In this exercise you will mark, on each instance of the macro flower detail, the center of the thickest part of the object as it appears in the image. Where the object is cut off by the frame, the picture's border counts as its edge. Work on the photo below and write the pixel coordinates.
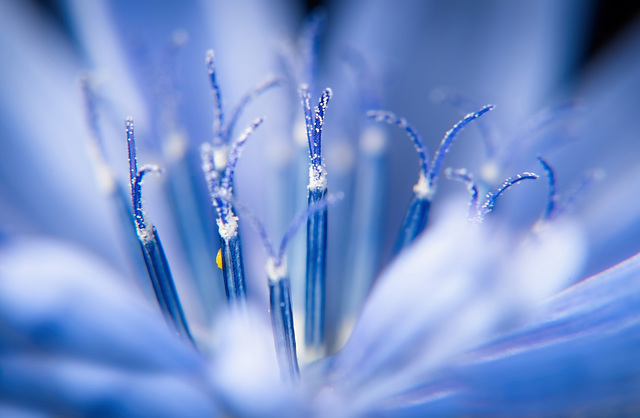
(508, 286)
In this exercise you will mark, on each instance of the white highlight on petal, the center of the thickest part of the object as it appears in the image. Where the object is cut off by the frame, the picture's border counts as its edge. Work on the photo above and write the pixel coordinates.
(490, 172)
(245, 349)
(373, 140)
(341, 156)
(300, 133)
(175, 145)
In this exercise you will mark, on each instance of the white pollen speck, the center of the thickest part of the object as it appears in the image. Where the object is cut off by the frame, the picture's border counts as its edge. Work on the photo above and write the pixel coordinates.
(145, 233)
(422, 188)
(276, 272)
(317, 178)
(230, 229)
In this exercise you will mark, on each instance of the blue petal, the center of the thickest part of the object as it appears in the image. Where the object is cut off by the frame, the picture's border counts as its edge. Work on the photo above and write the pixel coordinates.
(452, 290)
(577, 356)
(75, 336)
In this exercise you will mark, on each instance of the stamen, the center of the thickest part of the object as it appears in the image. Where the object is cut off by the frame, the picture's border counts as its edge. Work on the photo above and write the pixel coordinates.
(464, 176)
(218, 115)
(316, 224)
(282, 321)
(316, 272)
(245, 100)
(136, 201)
(415, 218)
(414, 222)
(218, 162)
(231, 250)
(211, 175)
(464, 104)
(402, 123)
(198, 240)
(270, 249)
(280, 286)
(253, 219)
(149, 168)
(417, 214)
(314, 123)
(232, 263)
(156, 262)
(234, 154)
(301, 217)
(316, 157)
(151, 246)
(448, 140)
(120, 197)
(230, 242)
(491, 197)
(306, 107)
(551, 199)
(221, 132)
(230, 253)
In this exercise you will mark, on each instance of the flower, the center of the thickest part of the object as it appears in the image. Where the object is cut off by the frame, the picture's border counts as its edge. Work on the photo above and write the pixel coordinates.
(514, 312)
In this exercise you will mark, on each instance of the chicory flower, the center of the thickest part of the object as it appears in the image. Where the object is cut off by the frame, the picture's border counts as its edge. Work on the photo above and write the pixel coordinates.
(480, 313)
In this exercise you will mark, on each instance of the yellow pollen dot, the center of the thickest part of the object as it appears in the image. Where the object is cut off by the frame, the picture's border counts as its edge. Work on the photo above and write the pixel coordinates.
(219, 259)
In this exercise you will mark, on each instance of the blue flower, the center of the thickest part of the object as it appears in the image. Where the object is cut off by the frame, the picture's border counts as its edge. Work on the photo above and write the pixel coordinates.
(528, 309)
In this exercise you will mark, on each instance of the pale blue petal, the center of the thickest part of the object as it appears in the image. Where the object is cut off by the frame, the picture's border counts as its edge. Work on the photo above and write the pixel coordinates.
(244, 370)
(61, 300)
(47, 183)
(577, 356)
(76, 337)
(67, 387)
(450, 291)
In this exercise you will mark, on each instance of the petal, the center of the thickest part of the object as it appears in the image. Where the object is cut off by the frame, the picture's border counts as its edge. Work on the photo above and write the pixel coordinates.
(61, 300)
(62, 386)
(453, 289)
(577, 356)
(244, 370)
(47, 183)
